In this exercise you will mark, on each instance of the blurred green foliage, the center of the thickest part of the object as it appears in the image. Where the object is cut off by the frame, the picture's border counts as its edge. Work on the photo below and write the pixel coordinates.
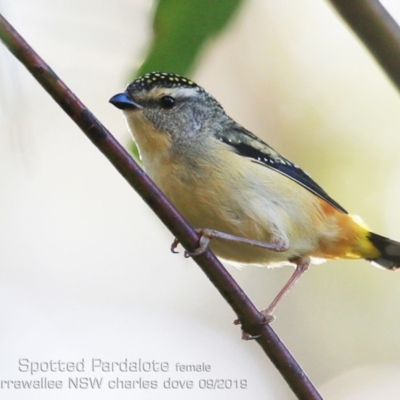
(180, 31)
(181, 28)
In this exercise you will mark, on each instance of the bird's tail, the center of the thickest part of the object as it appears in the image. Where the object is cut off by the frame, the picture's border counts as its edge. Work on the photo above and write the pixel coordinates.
(389, 250)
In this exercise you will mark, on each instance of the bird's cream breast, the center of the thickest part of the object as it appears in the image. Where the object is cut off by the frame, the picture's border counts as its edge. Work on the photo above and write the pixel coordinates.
(232, 194)
(251, 201)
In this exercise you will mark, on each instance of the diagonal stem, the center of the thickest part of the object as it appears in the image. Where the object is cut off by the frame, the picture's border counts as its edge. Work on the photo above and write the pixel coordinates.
(377, 29)
(248, 314)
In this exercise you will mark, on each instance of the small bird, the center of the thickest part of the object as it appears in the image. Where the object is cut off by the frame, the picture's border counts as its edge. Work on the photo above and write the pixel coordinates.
(256, 206)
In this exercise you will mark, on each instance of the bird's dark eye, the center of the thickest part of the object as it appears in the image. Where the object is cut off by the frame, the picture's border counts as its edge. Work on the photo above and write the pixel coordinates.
(167, 102)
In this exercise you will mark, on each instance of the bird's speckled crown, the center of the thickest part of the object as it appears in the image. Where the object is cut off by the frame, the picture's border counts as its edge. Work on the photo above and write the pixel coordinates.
(161, 79)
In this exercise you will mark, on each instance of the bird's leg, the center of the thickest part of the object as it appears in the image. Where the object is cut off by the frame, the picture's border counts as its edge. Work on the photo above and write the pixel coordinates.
(277, 244)
(302, 265)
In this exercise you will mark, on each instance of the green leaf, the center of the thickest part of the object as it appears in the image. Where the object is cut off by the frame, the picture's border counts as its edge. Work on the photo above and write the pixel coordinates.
(181, 28)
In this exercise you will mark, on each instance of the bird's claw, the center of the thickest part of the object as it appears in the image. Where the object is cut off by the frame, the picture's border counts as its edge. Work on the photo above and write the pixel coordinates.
(247, 336)
(204, 241)
(174, 245)
(268, 318)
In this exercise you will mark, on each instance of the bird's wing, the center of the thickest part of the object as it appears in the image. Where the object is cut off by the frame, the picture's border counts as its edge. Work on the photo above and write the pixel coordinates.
(248, 145)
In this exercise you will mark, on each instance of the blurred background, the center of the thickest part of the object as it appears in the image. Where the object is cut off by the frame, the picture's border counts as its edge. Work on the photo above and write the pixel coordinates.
(85, 267)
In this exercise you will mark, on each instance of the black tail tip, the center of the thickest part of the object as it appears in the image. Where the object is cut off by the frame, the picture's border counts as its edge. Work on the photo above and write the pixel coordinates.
(389, 249)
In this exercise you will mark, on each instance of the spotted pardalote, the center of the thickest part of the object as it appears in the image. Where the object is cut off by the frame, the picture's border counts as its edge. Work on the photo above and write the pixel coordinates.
(258, 207)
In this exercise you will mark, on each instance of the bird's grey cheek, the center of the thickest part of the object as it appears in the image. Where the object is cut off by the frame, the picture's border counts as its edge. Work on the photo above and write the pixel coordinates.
(152, 119)
(199, 118)
(188, 122)
(163, 124)
(192, 128)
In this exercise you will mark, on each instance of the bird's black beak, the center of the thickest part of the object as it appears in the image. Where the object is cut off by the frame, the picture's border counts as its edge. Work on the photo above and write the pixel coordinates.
(124, 102)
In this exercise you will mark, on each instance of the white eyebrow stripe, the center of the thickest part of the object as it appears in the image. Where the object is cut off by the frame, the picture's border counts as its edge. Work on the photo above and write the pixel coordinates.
(158, 92)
